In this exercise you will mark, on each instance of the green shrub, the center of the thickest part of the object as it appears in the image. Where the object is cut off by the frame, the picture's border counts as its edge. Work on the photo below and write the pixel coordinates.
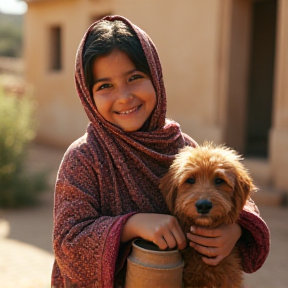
(17, 129)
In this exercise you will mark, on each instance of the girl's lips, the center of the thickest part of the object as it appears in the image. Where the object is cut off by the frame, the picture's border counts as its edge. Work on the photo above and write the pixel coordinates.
(128, 111)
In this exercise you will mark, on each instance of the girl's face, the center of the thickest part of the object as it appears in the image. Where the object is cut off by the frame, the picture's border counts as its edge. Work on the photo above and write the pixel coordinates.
(123, 95)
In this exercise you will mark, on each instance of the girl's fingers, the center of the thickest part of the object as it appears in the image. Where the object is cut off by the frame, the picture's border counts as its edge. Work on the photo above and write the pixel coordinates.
(209, 252)
(161, 243)
(180, 239)
(175, 236)
(171, 239)
(205, 232)
(211, 255)
(203, 241)
(174, 239)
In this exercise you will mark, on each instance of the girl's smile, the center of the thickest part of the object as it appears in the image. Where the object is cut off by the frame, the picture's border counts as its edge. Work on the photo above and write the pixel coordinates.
(123, 95)
(129, 111)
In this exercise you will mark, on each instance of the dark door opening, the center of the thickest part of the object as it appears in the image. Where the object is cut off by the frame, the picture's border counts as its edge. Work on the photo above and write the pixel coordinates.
(261, 72)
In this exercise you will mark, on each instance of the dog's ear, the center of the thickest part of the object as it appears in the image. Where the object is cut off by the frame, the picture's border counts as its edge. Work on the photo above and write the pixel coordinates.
(168, 186)
(244, 187)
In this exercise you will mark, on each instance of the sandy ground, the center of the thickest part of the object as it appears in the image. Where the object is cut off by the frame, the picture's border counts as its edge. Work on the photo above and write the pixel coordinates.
(26, 256)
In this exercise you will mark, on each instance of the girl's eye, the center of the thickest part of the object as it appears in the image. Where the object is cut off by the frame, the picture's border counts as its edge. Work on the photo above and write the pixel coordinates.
(135, 77)
(104, 86)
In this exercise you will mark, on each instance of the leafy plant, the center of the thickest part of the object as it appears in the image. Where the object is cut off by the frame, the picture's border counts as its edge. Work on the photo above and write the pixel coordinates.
(17, 129)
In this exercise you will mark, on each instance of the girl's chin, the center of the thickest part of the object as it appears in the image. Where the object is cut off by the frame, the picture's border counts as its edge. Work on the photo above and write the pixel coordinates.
(129, 127)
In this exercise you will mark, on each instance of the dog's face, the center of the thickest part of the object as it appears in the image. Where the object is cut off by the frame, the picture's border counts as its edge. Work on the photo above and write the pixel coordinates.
(207, 184)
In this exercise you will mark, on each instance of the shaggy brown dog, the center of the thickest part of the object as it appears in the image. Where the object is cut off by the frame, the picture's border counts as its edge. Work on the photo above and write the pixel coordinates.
(207, 186)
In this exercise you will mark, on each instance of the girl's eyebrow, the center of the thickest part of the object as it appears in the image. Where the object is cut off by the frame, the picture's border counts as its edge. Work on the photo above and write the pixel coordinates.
(107, 78)
(100, 80)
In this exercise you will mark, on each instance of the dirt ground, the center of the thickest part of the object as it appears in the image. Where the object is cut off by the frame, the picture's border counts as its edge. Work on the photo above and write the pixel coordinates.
(26, 256)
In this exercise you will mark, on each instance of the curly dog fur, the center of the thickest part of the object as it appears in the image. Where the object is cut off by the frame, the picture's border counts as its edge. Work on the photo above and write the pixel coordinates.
(207, 186)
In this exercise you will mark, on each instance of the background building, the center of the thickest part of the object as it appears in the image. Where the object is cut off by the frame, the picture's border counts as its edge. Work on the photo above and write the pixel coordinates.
(225, 63)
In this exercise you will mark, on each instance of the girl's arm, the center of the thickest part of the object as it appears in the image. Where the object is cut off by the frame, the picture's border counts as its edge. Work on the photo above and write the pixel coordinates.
(86, 243)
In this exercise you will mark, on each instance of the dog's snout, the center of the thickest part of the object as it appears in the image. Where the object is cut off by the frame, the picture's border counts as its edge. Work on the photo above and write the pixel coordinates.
(203, 206)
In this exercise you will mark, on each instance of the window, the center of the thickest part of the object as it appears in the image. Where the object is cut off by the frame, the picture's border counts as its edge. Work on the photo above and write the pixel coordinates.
(55, 48)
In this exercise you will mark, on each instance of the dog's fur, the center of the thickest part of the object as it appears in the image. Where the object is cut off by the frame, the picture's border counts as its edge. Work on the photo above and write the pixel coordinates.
(215, 176)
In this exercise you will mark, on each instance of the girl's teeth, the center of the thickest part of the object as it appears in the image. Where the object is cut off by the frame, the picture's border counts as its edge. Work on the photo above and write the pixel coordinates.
(128, 111)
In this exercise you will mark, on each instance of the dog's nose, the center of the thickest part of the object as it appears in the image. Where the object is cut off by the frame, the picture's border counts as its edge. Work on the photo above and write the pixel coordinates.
(203, 206)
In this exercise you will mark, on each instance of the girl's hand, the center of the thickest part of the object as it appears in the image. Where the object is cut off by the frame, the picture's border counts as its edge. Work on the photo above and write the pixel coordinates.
(214, 243)
(163, 230)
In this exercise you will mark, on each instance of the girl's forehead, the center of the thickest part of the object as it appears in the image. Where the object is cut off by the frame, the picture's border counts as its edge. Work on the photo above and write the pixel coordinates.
(115, 63)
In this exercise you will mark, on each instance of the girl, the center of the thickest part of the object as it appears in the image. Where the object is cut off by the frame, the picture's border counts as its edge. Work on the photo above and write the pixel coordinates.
(106, 192)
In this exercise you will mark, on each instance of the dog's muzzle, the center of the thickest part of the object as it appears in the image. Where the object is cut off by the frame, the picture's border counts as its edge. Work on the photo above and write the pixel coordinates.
(203, 206)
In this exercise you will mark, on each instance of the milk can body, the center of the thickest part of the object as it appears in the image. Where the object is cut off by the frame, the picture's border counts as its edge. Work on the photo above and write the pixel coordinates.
(150, 267)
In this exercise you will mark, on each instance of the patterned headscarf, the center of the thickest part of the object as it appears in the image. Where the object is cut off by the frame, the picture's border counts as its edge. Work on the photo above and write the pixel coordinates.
(163, 137)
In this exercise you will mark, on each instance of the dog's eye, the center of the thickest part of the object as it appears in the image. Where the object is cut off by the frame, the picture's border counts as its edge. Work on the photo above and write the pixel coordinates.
(190, 180)
(219, 181)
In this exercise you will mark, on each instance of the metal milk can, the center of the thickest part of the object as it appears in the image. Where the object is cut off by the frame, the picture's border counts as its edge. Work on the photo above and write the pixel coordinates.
(150, 267)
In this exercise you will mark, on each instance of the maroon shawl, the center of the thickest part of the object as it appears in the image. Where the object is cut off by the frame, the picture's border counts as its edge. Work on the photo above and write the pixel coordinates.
(107, 176)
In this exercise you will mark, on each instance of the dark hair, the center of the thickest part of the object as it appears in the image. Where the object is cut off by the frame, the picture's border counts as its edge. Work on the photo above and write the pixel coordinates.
(104, 38)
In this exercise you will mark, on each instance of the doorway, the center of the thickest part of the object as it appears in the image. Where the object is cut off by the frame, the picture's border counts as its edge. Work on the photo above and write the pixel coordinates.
(250, 75)
(261, 78)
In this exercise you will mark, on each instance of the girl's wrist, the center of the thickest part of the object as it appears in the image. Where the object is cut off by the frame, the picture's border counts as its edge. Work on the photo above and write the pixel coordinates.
(129, 230)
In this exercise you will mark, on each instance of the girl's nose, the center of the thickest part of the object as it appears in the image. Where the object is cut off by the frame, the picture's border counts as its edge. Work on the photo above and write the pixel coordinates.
(125, 96)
